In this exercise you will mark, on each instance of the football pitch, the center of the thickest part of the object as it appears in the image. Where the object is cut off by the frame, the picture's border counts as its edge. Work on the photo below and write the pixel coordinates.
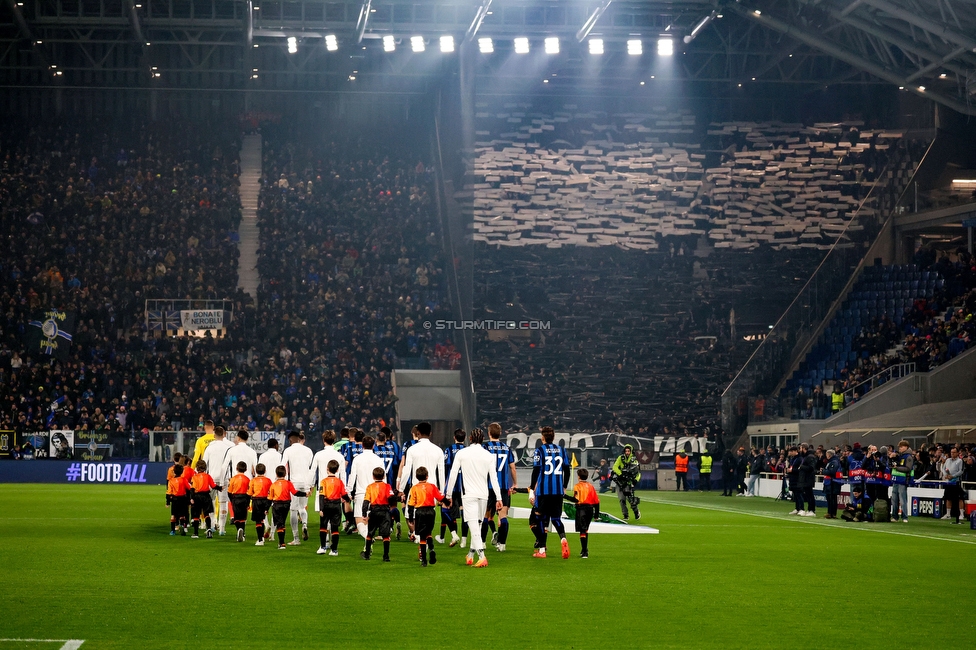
(96, 564)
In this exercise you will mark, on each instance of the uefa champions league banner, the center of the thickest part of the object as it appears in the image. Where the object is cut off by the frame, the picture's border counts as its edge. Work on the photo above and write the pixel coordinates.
(68, 471)
(258, 440)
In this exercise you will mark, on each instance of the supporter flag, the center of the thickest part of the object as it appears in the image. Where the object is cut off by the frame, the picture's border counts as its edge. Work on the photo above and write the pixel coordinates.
(49, 334)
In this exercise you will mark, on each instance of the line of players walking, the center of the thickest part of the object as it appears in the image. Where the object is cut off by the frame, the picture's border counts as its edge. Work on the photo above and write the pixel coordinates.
(359, 481)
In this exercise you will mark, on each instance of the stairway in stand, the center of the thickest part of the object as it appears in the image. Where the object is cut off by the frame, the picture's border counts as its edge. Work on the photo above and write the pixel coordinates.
(247, 272)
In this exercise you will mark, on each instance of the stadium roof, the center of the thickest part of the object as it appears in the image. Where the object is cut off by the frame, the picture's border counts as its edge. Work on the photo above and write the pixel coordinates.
(926, 47)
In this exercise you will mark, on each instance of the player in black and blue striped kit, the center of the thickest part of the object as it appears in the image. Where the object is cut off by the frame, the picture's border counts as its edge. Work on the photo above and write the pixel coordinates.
(507, 481)
(389, 452)
(451, 515)
(550, 478)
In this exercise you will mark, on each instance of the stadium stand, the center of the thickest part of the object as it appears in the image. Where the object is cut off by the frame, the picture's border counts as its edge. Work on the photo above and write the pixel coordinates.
(919, 315)
(592, 179)
(348, 260)
(350, 267)
(96, 220)
(639, 341)
(732, 217)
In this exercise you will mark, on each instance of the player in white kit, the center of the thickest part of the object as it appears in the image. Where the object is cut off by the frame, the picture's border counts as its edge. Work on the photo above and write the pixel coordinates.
(297, 460)
(320, 467)
(423, 454)
(477, 465)
(241, 452)
(360, 476)
(217, 458)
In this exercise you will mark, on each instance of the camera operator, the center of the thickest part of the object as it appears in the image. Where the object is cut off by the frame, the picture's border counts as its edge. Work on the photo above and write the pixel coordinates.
(626, 474)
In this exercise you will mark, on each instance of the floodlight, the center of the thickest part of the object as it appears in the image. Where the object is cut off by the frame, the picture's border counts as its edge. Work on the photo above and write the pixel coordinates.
(596, 46)
(447, 44)
(292, 45)
(417, 43)
(521, 45)
(331, 44)
(665, 47)
(552, 45)
(389, 44)
(485, 45)
(634, 47)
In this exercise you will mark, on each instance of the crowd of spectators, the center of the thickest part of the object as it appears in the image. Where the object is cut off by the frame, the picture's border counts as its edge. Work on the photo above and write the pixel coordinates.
(96, 219)
(349, 264)
(638, 341)
(773, 462)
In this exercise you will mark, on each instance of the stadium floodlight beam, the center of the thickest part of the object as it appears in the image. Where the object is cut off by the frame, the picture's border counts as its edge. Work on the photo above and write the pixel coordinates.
(361, 23)
(635, 47)
(596, 46)
(447, 44)
(331, 43)
(417, 43)
(665, 46)
(137, 26)
(249, 27)
(591, 21)
(479, 18)
(389, 43)
(292, 45)
(700, 26)
(552, 45)
(486, 45)
(521, 45)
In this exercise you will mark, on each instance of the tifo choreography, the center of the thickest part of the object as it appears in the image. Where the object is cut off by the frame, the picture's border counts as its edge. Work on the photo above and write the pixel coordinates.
(362, 479)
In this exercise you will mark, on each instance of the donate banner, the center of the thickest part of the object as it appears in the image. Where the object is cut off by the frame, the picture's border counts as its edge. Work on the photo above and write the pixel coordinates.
(202, 319)
(53, 471)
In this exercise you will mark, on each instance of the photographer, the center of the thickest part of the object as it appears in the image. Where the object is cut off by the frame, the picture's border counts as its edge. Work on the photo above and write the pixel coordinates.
(626, 474)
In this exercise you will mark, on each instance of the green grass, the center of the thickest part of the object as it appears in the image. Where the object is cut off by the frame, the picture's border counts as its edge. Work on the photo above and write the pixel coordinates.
(97, 563)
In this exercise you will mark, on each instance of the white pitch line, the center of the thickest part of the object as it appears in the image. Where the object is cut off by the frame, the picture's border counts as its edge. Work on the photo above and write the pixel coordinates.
(806, 520)
(68, 644)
